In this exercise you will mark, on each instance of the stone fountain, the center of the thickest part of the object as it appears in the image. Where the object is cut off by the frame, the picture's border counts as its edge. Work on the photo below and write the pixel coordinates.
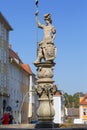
(45, 87)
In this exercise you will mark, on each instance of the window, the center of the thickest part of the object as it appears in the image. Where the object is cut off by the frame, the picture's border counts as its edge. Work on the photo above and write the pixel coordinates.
(4, 34)
(4, 80)
(86, 99)
(0, 29)
(4, 57)
(0, 78)
(85, 111)
(0, 53)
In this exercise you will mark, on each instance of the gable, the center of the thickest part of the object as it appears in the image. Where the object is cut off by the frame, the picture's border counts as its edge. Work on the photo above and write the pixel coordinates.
(84, 100)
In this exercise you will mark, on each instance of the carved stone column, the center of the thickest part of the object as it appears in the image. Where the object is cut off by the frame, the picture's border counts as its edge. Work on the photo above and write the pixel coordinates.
(45, 87)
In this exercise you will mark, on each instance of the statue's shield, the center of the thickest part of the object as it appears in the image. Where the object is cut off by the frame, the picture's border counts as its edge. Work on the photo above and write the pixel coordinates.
(50, 52)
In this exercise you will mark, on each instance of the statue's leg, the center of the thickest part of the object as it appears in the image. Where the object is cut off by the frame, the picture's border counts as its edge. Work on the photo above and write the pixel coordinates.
(39, 55)
(44, 52)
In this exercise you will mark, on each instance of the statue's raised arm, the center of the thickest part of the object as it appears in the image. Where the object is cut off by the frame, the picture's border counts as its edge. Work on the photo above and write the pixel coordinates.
(37, 21)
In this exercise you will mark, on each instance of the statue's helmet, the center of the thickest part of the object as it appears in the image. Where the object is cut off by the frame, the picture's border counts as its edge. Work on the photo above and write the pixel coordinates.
(48, 17)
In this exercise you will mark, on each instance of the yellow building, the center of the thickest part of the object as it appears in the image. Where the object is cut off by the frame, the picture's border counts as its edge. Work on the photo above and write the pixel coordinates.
(83, 108)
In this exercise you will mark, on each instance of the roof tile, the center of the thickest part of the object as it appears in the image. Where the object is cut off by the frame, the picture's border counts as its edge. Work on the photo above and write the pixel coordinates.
(84, 100)
(14, 56)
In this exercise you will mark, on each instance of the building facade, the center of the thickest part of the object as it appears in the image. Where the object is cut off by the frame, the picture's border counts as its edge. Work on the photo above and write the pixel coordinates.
(83, 108)
(4, 62)
(59, 107)
(16, 80)
(19, 83)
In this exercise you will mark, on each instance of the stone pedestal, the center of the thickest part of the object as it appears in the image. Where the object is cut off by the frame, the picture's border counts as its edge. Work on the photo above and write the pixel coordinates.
(45, 89)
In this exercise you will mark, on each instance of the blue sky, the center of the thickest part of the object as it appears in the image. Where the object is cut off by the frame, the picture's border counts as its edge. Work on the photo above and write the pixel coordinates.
(70, 20)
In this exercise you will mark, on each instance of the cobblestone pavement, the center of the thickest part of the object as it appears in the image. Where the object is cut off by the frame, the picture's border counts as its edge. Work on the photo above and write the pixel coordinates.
(32, 127)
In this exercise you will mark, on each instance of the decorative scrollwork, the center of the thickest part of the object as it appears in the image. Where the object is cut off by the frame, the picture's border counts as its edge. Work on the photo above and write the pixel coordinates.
(48, 89)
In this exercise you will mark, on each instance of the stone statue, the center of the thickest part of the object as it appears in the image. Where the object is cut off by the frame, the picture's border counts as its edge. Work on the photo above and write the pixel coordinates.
(44, 88)
(46, 48)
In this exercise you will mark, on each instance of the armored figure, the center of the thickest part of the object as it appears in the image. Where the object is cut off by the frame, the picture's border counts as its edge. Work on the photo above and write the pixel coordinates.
(46, 48)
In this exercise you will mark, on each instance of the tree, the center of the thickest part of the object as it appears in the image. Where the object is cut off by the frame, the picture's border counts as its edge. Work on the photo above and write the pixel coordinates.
(76, 97)
(67, 104)
(73, 100)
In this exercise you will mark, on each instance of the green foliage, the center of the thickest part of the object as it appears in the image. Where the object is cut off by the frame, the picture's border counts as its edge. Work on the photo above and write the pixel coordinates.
(72, 100)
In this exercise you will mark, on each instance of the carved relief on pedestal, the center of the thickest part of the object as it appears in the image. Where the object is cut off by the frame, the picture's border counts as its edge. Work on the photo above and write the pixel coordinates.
(45, 89)
(45, 72)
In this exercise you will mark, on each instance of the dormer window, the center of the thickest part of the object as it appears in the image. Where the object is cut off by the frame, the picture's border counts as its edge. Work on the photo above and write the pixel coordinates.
(17, 61)
(86, 99)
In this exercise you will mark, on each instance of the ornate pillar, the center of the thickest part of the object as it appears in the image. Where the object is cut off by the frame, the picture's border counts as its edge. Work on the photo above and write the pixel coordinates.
(45, 87)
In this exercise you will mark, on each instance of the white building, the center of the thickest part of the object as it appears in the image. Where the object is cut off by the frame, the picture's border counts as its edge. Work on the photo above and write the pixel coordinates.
(21, 82)
(59, 106)
(16, 80)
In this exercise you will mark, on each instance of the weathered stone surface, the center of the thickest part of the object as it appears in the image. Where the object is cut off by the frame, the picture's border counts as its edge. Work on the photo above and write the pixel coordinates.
(44, 87)
(46, 48)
